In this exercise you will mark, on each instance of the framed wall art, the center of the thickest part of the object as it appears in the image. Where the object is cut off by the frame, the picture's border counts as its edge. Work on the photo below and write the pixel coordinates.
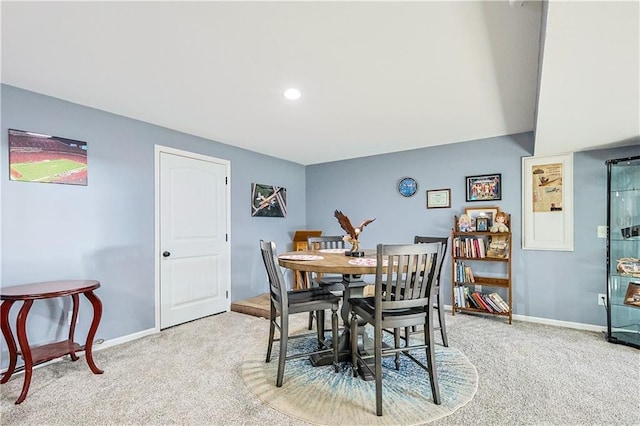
(268, 200)
(547, 203)
(34, 157)
(484, 188)
(438, 198)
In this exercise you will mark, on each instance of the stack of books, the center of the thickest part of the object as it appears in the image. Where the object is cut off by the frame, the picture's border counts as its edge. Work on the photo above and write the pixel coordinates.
(490, 302)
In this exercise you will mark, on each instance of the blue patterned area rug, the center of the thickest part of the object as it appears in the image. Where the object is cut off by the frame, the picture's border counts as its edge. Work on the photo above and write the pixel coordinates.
(321, 396)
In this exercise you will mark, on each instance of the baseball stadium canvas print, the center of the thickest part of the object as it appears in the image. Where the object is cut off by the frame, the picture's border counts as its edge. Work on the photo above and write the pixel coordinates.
(34, 157)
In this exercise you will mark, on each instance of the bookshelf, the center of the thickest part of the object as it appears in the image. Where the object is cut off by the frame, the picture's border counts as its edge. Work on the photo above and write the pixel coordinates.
(480, 270)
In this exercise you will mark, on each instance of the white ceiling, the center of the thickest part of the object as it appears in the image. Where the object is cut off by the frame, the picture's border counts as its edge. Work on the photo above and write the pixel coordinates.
(376, 77)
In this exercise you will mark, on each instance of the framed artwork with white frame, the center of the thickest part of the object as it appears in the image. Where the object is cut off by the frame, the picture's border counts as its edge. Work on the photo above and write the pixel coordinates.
(547, 202)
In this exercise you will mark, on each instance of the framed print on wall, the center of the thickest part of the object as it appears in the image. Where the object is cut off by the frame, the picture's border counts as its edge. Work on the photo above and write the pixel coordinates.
(438, 198)
(484, 187)
(268, 200)
(34, 157)
(547, 203)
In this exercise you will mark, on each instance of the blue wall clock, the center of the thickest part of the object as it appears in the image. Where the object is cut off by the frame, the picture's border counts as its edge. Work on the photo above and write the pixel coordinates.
(407, 187)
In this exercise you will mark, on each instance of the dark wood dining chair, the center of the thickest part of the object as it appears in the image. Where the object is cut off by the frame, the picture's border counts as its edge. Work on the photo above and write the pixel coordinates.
(330, 282)
(284, 303)
(412, 271)
(438, 305)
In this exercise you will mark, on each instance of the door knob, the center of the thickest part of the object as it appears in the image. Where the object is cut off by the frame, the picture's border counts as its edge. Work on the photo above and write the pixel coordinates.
(166, 254)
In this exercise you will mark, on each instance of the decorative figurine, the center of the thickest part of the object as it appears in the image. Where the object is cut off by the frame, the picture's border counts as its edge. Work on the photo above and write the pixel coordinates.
(499, 223)
(352, 233)
(464, 223)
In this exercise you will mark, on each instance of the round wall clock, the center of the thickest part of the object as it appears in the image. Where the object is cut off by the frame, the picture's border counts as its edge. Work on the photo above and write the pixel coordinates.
(407, 187)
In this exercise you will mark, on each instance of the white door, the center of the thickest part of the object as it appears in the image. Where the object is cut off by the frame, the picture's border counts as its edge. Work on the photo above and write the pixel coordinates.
(194, 252)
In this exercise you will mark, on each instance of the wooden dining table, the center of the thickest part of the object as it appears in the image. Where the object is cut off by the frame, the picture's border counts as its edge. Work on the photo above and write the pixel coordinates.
(352, 269)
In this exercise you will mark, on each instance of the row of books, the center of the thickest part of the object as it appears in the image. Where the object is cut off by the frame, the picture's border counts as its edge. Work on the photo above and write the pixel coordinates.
(490, 302)
(472, 247)
(469, 247)
(463, 273)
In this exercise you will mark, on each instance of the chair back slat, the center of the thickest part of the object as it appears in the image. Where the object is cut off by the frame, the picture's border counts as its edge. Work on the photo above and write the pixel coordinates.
(325, 242)
(443, 251)
(409, 272)
(277, 287)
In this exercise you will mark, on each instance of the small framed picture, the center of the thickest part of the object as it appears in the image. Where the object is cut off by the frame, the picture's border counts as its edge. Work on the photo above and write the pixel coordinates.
(475, 213)
(438, 198)
(484, 188)
(632, 297)
(482, 224)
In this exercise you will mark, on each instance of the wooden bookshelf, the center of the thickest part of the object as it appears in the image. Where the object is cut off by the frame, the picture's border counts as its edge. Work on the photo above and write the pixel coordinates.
(469, 264)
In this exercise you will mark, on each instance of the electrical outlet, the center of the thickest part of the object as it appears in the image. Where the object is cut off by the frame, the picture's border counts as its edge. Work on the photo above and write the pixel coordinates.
(602, 298)
(602, 231)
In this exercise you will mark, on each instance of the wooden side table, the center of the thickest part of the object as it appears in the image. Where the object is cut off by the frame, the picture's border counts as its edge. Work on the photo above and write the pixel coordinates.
(38, 354)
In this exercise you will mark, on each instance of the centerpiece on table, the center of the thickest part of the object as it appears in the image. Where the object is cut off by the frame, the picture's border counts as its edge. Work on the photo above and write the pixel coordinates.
(352, 233)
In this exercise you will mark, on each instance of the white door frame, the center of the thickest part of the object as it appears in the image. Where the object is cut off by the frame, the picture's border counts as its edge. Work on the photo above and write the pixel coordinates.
(159, 149)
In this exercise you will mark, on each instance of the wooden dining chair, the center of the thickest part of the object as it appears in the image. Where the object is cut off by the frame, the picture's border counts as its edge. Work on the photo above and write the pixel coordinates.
(284, 303)
(412, 270)
(438, 299)
(330, 282)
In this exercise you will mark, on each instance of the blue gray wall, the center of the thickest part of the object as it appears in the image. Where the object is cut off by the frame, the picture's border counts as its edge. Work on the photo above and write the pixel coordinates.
(551, 285)
(105, 231)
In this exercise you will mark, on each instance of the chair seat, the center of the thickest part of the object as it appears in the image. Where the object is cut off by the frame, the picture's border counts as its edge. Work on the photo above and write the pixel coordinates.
(304, 301)
(367, 307)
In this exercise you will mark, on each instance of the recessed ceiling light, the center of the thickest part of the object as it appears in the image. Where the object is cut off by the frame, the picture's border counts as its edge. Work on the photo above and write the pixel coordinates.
(292, 94)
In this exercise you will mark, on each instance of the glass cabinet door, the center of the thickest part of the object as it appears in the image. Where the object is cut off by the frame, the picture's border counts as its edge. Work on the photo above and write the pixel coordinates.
(623, 253)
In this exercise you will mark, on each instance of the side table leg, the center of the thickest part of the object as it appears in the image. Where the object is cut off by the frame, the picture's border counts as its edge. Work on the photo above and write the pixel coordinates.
(24, 348)
(8, 337)
(72, 328)
(97, 314)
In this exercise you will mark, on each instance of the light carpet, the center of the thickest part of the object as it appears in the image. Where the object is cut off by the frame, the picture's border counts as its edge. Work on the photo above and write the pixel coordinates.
(319, 395)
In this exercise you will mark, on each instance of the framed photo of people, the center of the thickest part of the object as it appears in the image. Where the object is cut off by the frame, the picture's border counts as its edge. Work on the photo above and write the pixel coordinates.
(484, 187)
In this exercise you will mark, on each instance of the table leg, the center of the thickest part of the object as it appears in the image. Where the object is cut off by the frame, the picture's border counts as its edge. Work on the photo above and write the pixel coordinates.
(97, 314)
(24, 348)
(72, 328)
(8, 337)
(354, 287)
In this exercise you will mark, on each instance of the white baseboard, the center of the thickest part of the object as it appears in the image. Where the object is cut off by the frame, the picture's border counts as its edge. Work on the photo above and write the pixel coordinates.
(557, 323)
(96, 347)
(123, 339)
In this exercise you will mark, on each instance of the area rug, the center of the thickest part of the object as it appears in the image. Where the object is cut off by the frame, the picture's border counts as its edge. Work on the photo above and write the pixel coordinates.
(319, 395)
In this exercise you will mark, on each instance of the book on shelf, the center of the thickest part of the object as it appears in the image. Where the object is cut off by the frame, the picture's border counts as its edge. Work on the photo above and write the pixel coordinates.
(466, 294)
(463, 273)
(499, 301)
(498, 246)
(489, 301)
(480, 301)
(469, 247)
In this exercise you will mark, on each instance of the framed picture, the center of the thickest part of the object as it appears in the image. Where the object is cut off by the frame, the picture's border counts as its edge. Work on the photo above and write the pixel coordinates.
(488, 213)
(438, 198)
(482, 224)
(484, 188)
(547, 202)
(268, 200)
(632, 297)
(34, 157)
